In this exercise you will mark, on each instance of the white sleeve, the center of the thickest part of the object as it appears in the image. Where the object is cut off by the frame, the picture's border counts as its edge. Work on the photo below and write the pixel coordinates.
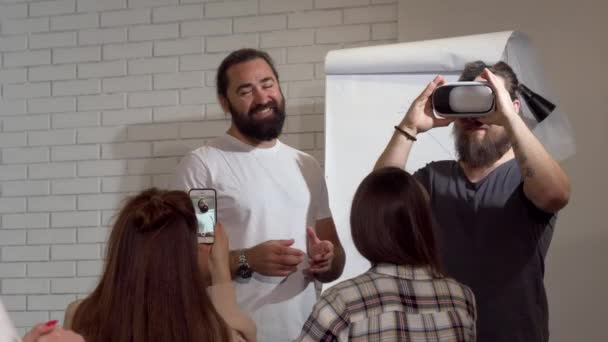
(8, 332)
(191, 173)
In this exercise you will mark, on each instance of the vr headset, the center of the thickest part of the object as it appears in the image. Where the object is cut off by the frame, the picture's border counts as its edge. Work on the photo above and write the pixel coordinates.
(476, 99)
(463, 100)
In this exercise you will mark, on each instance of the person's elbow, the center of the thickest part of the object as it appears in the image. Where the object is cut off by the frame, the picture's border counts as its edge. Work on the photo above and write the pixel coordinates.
(553, 200)
(559, 201)
(329, 276)
(337, 273)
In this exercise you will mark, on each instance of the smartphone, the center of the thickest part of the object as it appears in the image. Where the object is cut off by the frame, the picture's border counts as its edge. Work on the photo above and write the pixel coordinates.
(205, 209)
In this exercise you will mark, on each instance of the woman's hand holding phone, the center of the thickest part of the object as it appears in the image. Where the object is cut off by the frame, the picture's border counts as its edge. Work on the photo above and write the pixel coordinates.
(219, 257)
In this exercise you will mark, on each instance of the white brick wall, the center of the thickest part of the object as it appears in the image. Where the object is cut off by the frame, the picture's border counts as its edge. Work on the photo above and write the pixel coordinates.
(51, 105)
(55, 7)
(13, 75)
(177, 13)
(101, 98)
(126, 17)
(206, 27)
(13, 43)
(74, 22)
(46, 40)
(100, 5)
(80, 54)
(51, 269)
(14, 26)
(13, 11)
(51, 170)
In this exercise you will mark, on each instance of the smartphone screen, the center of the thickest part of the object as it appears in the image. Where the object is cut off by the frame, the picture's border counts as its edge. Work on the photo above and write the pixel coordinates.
(205, 205)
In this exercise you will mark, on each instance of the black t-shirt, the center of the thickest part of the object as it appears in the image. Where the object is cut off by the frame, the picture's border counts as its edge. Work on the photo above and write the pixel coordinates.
(494, 239)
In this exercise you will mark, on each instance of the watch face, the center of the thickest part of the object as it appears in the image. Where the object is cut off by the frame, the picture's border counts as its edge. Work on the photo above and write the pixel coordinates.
(244, 271)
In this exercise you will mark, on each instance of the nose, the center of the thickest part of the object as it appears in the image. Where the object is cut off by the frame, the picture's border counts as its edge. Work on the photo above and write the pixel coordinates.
(260, 96)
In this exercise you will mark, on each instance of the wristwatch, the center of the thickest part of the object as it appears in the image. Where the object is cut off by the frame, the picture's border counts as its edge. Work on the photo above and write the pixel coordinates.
(244, 270)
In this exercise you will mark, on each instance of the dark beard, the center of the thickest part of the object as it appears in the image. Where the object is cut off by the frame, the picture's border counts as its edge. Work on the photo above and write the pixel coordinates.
(265, 129)
(480, 154)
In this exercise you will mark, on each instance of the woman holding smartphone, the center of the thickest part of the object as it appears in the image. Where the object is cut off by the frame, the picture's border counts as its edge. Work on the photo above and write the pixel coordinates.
(154, 285)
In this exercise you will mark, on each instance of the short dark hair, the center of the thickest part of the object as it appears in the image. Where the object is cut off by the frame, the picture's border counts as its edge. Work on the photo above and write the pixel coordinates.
(237, 57)
(391, 220)
(502, 69)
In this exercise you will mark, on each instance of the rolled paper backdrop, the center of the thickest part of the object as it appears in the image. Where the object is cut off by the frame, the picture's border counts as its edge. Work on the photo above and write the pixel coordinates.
(449, 55)
(539, 106)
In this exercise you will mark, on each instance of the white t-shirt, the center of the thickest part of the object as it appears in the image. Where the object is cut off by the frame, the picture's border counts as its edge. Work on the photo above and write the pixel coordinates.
(263, 194)
(8, 333)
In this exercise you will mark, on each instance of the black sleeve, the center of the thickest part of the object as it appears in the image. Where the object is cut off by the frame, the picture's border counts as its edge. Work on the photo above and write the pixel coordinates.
(423, 175)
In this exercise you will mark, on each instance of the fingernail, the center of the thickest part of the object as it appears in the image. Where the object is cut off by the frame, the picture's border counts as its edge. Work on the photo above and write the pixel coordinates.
(51, 323)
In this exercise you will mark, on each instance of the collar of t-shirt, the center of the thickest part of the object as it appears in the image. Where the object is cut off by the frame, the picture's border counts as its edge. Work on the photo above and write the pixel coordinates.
(244, 147)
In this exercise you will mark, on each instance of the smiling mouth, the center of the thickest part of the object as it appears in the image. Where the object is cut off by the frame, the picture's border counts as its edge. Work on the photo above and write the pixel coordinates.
(264, 112)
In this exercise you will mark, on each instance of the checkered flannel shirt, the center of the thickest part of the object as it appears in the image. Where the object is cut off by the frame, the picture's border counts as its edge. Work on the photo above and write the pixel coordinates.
(393, 303)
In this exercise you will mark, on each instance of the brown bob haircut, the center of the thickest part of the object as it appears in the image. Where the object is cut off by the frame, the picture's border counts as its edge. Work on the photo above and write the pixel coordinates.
(391, 220)
(152, 288)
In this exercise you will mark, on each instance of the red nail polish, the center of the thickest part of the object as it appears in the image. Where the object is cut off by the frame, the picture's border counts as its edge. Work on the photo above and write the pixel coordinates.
(51, 323)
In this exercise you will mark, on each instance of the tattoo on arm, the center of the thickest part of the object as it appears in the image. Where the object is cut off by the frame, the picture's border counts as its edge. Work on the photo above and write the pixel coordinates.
(528, 172)
(523, 159)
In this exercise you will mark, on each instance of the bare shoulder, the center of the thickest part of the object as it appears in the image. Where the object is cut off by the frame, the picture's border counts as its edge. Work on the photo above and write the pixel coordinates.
(69, 313)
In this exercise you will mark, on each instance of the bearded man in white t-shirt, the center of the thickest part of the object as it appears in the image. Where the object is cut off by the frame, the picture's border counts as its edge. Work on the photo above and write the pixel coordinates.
(272, 200)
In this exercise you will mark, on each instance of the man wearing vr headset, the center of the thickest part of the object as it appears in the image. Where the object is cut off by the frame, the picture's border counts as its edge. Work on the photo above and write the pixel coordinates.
(495, 206)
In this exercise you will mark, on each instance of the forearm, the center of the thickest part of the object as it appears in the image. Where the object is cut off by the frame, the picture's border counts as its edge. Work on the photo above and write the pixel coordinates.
(337, 266)
(545, 182)
(396, 152)
(223, 297)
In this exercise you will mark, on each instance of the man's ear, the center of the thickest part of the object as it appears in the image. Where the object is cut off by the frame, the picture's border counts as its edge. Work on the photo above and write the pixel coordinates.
(517, 105)
(224, 103)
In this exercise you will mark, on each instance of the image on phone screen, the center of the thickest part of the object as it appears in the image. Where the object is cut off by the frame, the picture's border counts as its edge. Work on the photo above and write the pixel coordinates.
(205, 204)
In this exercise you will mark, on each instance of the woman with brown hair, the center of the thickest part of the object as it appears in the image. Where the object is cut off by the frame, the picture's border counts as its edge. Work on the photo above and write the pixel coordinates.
(153, 287)
(404, 296)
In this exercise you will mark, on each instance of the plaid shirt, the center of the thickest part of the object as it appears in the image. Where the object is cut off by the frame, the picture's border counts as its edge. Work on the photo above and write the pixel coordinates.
(393, 303)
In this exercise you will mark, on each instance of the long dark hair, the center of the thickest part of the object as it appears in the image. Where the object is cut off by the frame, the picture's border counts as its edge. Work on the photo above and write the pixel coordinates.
(152, 288)
(391, 220)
